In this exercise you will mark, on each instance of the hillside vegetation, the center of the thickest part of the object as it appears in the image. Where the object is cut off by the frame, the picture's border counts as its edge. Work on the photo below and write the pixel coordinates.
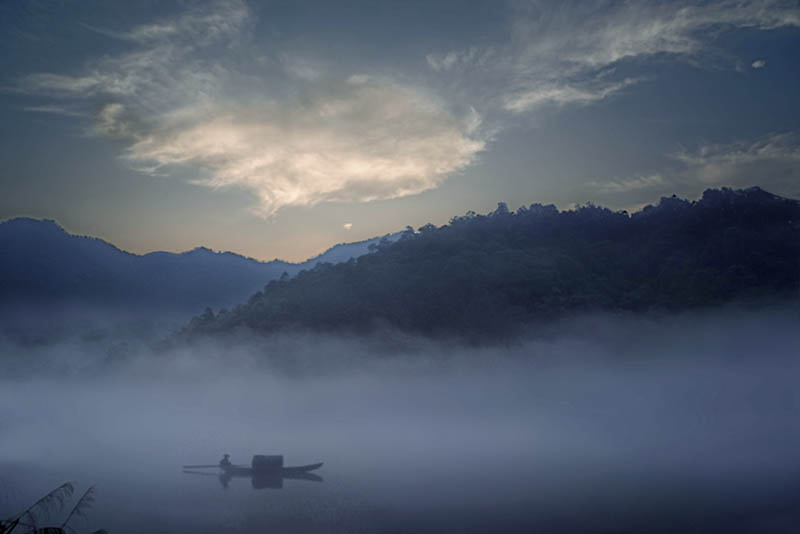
(486, 275)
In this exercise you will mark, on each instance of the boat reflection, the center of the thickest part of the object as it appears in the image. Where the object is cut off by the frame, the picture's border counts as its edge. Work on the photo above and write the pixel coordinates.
(271, 480)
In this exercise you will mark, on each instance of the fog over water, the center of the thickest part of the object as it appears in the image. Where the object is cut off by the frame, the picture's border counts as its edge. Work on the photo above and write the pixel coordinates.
(595, 424)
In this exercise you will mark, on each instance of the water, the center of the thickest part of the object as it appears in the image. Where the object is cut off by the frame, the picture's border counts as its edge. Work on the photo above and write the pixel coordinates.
(528, 442)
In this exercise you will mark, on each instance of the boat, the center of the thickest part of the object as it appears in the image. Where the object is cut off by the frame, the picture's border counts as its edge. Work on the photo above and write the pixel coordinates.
(265, 471)
(261, 463)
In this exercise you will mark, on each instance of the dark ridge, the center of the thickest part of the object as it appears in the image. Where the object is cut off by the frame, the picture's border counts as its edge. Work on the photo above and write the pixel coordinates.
(487, 276)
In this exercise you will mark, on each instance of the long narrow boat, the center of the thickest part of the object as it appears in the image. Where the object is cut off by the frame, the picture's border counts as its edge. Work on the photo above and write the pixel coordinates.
(245, 470)
(263, 472)
(260, 464)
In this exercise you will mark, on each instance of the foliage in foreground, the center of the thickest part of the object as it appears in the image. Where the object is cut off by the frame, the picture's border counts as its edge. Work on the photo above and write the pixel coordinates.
(27, 521)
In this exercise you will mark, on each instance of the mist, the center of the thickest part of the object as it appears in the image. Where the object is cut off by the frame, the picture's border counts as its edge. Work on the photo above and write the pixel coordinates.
(597, 423)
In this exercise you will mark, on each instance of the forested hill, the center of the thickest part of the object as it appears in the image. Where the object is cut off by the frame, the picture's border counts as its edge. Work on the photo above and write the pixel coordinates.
(485, 275)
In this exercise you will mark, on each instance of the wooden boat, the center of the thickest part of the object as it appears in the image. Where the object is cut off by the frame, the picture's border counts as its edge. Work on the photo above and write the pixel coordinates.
(245, 470)
(260, 464)
(264, 471)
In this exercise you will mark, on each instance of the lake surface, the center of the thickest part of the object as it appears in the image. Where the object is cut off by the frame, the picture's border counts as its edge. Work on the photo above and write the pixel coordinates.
(495, 445)
(367, 498)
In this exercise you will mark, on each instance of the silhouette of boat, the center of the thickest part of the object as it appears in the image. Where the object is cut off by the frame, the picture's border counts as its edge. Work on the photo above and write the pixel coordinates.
(265, 471)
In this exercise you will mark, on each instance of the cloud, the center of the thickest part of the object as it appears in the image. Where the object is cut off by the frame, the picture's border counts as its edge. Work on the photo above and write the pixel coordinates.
(110, 122)
(759, 64)
(624, 185)
(567, 53)
(534, 96)
(770, 160)
(440, 63)
(595, 35)
(352, 141)
(347, 226)
(301, 68)
(195, 92)
(55, 110)
(465, 58)
(56, 85)
(202, 25)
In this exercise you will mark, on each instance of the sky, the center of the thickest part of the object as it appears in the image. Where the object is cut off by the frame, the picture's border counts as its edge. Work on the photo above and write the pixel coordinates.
(278, 129)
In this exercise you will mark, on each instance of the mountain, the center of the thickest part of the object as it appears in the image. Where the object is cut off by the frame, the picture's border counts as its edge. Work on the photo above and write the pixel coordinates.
(41, 264)
(490, 275)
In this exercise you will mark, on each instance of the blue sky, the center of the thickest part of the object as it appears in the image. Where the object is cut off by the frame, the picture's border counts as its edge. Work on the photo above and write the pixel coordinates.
(276, 129)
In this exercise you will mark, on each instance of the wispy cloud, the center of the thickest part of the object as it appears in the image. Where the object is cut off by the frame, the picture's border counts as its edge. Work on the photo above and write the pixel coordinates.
(772, 162)
(194, 92)
(758, 64)
(773, 159)
(57, 85)
(625, 185)
(472, 56)
(55, 110)
(567, 52)
(202, 25)
(551, 93)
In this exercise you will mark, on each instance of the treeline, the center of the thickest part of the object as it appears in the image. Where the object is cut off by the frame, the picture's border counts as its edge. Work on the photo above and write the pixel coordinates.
(488, 275)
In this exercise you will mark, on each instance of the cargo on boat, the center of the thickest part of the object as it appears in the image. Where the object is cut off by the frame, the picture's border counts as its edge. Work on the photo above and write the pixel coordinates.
(267, 462)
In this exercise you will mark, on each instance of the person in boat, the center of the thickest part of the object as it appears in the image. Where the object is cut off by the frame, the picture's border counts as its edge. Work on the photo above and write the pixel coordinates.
(225, 463)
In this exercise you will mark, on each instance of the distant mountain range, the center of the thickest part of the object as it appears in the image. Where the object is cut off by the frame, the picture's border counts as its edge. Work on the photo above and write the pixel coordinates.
(484, 276)
(42, 264)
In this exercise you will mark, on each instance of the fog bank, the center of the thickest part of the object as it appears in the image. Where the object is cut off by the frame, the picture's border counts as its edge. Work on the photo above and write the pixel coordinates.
(596, 423)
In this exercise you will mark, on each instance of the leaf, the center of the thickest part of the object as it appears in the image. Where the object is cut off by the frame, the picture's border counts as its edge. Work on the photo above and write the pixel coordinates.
(84, 503)
(44, 505)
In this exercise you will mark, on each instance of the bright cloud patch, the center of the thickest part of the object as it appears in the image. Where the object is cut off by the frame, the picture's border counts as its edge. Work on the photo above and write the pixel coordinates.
(361, 141)
(194, 92)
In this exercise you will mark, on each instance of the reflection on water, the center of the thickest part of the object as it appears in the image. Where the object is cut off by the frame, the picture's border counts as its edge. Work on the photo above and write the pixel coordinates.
(268, 480)
(259, 480)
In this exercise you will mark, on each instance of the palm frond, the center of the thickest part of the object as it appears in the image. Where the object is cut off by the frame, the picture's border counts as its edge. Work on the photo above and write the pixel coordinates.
(10, 524)
(44, 505)
(83, 504)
